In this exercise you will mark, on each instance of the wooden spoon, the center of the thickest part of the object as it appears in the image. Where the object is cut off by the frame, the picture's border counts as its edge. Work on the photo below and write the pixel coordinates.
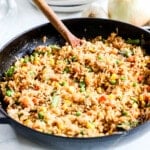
(57, 23)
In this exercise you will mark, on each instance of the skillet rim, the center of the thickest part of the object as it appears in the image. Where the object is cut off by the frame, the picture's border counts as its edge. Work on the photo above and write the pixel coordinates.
(2, 110)
(65, 21)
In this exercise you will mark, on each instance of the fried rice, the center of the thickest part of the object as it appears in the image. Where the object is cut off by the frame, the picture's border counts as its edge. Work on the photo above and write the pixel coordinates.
(98, 88)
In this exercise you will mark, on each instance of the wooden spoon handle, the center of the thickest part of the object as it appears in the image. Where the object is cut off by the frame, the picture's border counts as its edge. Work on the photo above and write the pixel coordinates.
(57, 23)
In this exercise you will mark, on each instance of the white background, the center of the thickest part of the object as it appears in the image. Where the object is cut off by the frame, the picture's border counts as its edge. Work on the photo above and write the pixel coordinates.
(22, 18)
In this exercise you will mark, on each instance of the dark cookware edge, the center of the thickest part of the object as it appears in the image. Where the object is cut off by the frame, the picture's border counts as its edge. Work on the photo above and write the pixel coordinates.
(3, 117)
(6, 119)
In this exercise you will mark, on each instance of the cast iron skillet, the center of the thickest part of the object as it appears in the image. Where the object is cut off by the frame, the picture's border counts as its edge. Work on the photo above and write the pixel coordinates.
(83, 27)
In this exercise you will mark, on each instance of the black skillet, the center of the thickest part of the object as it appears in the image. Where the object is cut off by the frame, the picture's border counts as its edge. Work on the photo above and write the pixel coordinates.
(83, 27)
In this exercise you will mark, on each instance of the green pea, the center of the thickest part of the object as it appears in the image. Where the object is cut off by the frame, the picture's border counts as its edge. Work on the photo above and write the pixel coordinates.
(78, 113)
(134, 84)
(9, 92)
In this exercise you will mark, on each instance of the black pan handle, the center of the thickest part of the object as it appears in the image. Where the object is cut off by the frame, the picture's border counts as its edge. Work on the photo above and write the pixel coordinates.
(3, 116)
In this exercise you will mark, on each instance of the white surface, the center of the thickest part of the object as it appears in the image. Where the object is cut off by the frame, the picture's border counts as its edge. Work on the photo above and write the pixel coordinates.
(67, 2)
(66, 8)
(67, 5)
(21, 19)
(74, 8)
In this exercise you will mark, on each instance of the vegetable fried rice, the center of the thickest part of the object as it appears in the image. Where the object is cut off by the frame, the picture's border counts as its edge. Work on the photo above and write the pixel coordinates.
(95, 89)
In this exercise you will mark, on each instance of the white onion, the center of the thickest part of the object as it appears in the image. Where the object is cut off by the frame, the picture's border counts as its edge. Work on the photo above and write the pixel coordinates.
(136, 12)
(94, 11)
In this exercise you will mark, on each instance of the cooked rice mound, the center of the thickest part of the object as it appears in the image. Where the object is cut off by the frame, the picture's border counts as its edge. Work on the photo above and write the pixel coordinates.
(98, 88)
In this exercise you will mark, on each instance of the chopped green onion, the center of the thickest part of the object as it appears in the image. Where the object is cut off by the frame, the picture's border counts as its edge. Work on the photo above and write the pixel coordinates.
(40, 115)
(32, 58)
(82, 89)
(117, 62)
(66, 70)
(123, 126)
(134, 124)
(26, 59)
(134, 99)
(67, 61)
(82, 83)
(133, 41)
(73, 58)
(100, 57)
(20, 114)
(82, 86)
(10, 71)
(127, 125)
(148, 105)
(90, 125)
(35, 54)
(124, 113)
(90, 69)
(126, 52)
(55, 47)
(55, 101)
(32, 73)
(82, 132)
(62, 83)
(123, 78)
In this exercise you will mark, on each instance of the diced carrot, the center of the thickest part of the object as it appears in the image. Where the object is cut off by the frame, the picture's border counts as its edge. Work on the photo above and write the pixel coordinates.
(26, 101)
(53, 77)
(131, 59)
(148, 88)
(140, 78)
(102, 98)
(36, 87)
(147, 97)
(35, 100)
(89, 112)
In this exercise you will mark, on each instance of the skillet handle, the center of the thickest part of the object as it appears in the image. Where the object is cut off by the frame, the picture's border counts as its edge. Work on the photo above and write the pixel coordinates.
(3, 117)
